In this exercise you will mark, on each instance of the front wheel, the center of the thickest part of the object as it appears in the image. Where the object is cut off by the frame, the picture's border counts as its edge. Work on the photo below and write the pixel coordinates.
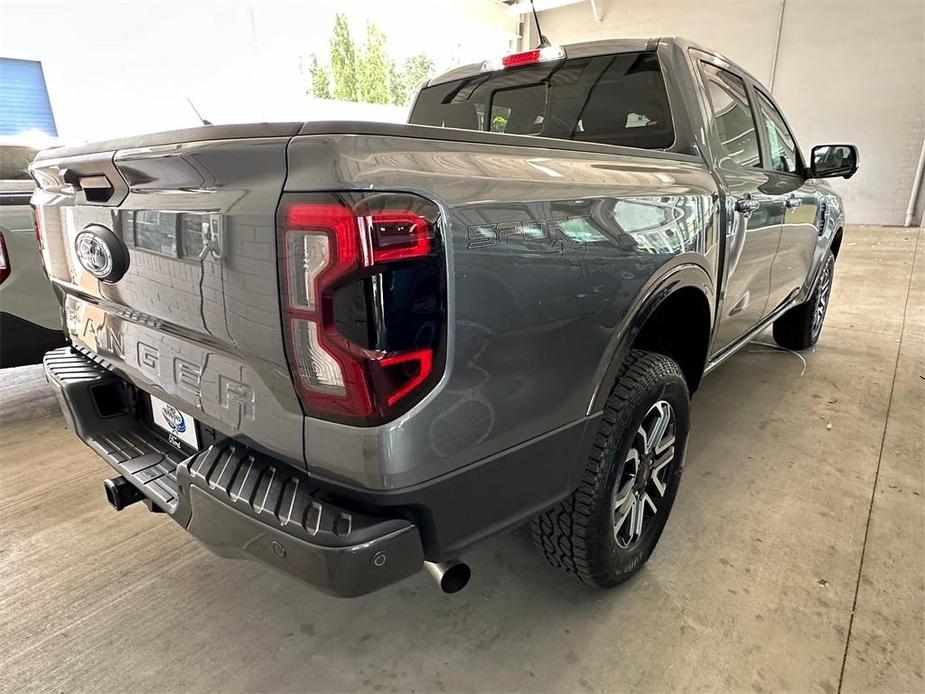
(799, 328)
(605, 530)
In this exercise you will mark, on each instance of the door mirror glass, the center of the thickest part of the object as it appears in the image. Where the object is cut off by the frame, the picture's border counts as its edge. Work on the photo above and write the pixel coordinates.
(833, 161)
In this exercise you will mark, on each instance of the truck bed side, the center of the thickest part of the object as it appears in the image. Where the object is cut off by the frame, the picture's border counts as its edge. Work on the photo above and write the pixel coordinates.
(548, 249)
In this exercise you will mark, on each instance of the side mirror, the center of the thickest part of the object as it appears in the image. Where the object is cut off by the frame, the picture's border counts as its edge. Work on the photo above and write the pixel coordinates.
(833, 161)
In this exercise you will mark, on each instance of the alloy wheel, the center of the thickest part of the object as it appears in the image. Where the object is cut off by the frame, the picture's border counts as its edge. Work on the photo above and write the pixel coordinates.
(643, 483)
(822, 298)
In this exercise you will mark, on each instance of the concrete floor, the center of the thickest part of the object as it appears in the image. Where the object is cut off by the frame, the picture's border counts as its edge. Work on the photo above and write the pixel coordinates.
(794, 558)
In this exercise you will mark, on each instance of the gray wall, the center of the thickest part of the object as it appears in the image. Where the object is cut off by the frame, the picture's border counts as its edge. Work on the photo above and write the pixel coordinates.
(846, 71)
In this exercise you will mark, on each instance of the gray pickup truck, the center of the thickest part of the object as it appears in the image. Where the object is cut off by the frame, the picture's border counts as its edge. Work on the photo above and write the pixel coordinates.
(352, 350)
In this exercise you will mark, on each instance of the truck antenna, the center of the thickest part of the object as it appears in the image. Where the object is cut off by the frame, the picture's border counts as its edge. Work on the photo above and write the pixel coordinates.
(196, 111)
(536, 20)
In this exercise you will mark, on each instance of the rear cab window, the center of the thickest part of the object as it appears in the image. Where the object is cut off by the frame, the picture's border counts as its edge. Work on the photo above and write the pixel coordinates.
(614, 100)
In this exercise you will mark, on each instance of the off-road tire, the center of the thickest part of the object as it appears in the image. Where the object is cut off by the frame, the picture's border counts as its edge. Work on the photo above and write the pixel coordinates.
(578, 535)
(799, 328)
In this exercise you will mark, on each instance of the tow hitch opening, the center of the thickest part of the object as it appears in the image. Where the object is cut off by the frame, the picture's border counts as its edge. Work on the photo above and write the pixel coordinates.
(120, 492)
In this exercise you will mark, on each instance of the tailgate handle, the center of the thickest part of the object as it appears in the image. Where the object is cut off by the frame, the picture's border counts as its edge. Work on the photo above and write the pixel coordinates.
(96, 188)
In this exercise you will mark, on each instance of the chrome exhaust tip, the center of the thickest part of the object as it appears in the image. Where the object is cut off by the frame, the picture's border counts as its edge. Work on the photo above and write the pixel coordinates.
(452, 576)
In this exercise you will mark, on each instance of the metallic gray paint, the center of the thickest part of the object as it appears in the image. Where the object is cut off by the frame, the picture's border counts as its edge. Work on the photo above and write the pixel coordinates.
(535, 304)
(195, 320)
(556, 253)
(770, 257)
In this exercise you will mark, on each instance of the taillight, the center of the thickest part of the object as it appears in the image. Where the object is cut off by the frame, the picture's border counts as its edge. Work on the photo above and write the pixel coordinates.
(399, 234)
(5, 269)
(363, 281)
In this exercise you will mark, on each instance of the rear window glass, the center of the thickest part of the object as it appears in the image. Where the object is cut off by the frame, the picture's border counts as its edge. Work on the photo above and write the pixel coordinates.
(14, 162)
(613, 100)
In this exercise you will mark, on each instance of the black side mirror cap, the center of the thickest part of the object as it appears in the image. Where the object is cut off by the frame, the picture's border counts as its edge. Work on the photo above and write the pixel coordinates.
(834, 161)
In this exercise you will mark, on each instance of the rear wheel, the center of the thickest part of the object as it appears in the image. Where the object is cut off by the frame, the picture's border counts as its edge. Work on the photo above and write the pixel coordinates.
(604, 532)
(800, 327)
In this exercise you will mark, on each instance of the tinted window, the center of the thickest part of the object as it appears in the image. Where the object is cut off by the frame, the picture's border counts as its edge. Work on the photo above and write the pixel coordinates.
(14, 162)
(615, 100)
(780, 141)
(732, 115)
(519, 110)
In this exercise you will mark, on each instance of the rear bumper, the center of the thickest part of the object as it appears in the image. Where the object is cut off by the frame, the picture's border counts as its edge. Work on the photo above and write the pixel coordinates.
(238, 502)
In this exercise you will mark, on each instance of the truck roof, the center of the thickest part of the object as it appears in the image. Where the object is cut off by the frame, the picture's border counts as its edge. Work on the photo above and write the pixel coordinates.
(590, 48)
(256, 130)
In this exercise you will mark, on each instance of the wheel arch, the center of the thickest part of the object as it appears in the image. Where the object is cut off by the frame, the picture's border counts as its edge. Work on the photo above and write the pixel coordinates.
(835, 246)
(813, 278)
(672, 315)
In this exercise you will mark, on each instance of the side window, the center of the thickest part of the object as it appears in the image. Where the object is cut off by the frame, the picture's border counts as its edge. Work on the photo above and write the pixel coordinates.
(780, 141)
(732, 115)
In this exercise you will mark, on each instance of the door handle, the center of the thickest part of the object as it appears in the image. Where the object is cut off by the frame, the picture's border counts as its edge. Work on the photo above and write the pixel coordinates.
(747, 205)
(211, 230)
(794, 201)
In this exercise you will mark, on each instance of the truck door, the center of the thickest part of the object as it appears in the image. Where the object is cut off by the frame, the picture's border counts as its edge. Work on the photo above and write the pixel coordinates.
(795, 202)
(752, 227)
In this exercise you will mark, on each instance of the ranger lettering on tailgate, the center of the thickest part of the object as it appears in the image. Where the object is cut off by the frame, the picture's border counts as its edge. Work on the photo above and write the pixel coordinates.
(91, 327)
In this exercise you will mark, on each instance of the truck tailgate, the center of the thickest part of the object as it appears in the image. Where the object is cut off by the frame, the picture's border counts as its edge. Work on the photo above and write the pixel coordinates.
(195, 318)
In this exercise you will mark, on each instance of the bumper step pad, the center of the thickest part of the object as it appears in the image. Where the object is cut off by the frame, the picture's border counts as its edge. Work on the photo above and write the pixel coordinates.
(237, 501)
(120, 438)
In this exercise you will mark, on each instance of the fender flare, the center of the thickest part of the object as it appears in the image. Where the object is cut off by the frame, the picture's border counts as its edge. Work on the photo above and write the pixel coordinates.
(838, 227)
(683, 273)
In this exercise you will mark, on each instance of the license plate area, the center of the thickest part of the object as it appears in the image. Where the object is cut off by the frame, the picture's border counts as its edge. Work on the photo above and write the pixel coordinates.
(181, 429)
